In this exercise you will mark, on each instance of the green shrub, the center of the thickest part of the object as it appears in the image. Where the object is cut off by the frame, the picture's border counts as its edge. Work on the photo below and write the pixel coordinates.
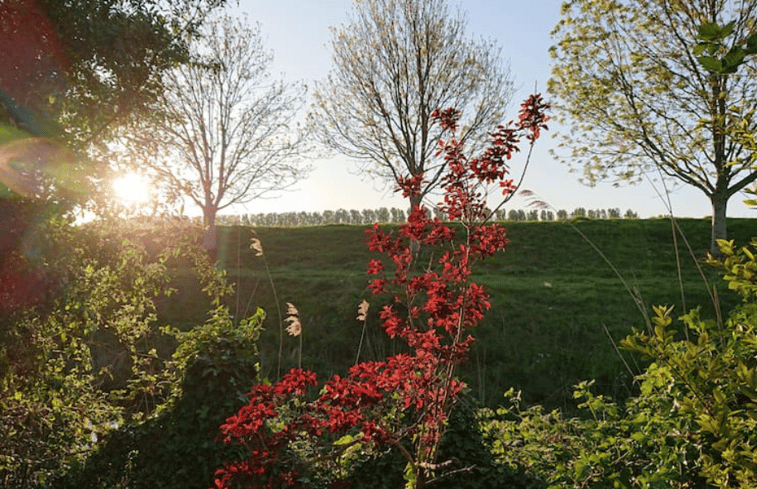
(691, 424)
(464, 446)
(90, 354)
(80, 359)
(177, 448)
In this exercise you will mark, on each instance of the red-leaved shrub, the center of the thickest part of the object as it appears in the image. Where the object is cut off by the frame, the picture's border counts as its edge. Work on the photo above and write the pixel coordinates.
(403, 401)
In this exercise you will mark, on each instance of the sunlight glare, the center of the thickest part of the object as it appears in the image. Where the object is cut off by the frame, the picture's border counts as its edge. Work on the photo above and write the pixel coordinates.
(132, 189)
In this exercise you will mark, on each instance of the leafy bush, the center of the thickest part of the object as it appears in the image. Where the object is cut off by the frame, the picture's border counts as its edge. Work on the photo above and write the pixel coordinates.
(216, 362)
(81, 359)
(89, 356)
(692, 423)
(472, 455)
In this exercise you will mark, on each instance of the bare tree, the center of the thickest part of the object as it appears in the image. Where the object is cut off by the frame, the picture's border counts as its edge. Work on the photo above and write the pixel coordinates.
(225, 132)
(395, 62)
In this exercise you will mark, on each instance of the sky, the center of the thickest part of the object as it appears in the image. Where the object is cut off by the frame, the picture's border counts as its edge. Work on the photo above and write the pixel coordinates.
(297, 31)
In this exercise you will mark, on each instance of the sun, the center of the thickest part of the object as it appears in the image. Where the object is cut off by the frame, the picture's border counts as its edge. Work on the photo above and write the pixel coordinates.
(132, 188)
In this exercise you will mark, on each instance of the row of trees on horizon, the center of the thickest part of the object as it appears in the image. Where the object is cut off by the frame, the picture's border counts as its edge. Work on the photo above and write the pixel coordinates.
(385, 215)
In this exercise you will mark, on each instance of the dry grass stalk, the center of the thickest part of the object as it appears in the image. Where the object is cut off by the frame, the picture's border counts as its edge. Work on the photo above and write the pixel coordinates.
(294, 328)
(362, 310)
(255, 245)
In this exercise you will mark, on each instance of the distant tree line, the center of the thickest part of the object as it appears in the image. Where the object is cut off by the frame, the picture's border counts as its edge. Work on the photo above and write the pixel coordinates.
(386, 215)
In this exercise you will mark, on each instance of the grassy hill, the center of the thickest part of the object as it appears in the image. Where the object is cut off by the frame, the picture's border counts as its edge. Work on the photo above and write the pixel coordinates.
(557, 305)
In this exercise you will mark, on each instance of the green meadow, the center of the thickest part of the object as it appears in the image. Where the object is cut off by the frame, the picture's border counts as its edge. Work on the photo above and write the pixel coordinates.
(563, 295)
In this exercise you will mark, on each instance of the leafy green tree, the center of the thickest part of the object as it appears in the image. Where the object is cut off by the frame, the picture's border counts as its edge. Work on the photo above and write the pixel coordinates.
(86, 66)
(398, 215)
(627, 80)
(76, 72)
(369, 216)
(395, 63)
(341, 216)
(328, 216)
(720, 57)
(383, 215)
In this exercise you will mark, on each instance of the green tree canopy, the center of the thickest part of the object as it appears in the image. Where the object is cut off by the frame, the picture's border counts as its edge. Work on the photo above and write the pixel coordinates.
(73, 72)
(627, 82)
(88, 65)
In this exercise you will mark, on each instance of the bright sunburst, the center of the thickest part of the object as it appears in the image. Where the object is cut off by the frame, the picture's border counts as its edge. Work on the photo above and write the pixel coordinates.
(132, 188)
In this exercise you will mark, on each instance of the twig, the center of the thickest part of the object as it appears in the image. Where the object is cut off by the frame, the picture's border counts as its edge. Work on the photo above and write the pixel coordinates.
(360, 346)
(615, 346)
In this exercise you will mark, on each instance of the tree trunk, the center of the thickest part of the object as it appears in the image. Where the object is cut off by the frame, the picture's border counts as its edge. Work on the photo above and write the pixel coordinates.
(415, 201)
(719, 201)
(209, 237)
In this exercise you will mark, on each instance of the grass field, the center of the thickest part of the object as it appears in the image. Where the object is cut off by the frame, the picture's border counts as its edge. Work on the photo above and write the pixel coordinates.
(557, 305)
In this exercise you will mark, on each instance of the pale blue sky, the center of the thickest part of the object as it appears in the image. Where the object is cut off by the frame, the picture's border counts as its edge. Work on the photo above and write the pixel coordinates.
(298, 33)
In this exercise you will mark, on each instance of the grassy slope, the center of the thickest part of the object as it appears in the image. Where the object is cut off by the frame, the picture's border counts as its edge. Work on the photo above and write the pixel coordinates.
(552, 295)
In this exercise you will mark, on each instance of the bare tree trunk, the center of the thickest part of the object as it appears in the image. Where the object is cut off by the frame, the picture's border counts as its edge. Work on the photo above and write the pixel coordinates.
(415, 201)
(209, 236)
(719, 201)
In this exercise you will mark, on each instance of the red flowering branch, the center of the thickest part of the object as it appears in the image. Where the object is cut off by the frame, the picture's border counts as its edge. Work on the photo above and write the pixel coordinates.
(405, 400)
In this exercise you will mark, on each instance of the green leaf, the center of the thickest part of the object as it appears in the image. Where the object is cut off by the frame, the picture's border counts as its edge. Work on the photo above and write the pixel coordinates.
(710, 63)
(710, 32)
(345, 440)
(751, 44)
(700, 48)
(580, 468)
(725, 246)
(733, 59)
(727, 29)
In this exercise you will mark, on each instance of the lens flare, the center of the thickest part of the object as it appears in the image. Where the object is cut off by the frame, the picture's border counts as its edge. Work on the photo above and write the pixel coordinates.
(132, 189)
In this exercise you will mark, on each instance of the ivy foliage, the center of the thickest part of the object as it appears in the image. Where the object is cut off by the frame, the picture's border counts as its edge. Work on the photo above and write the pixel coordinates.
(83, 357)
(88, 361)
(692, 423)
(177, 448)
